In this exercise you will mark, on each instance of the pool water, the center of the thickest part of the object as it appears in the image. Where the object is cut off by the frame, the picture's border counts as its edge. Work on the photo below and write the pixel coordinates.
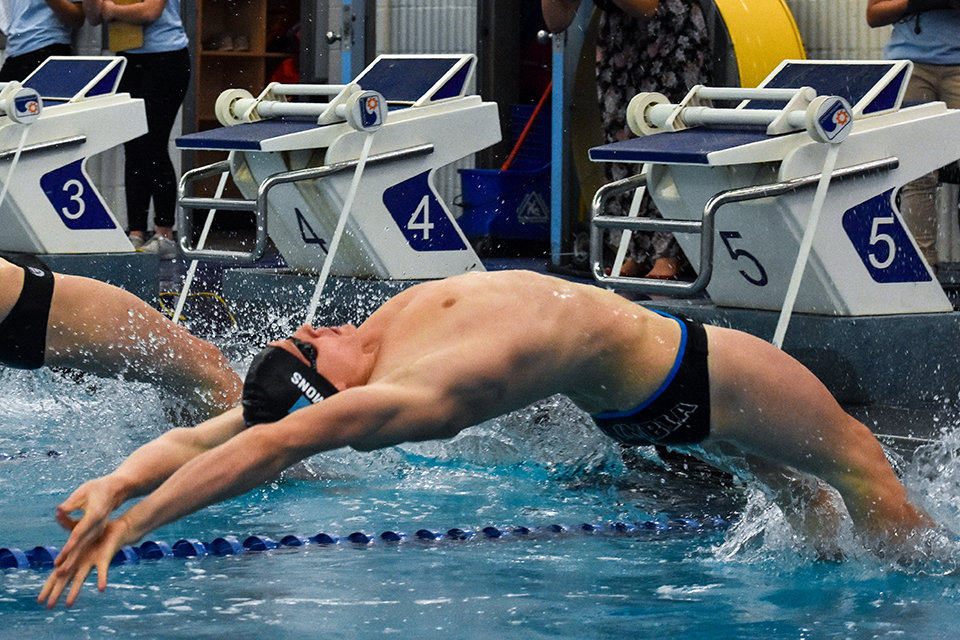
(538, 467)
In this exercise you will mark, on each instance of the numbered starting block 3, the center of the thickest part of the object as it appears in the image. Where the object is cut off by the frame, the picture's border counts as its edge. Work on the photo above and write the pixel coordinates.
(294, 163)
(65, 112)
(737, 184)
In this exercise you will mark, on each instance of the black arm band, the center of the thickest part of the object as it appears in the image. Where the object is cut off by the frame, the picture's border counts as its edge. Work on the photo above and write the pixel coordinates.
(23, 333)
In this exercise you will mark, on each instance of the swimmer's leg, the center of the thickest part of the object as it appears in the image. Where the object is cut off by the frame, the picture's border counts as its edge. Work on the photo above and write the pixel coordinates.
(107, 331)
(769, 405)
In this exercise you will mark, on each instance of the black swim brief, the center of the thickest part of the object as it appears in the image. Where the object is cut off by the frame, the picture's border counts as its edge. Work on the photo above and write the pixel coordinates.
(23, 333)
(678, 413)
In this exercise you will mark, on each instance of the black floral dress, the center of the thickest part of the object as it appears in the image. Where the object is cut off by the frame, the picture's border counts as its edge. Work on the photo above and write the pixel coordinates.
(668, 53)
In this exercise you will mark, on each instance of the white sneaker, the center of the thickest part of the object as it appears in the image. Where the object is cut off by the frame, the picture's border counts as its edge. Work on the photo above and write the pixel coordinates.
(136, 241)
(165, 248)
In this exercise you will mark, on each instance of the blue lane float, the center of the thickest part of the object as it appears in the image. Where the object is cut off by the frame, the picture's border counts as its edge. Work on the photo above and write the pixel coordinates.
(42, 557)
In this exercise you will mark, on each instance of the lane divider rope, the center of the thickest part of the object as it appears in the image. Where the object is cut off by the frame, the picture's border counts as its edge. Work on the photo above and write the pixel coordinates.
(42, 557)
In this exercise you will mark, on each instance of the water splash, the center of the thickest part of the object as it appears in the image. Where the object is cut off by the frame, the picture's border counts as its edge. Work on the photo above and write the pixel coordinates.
(933, 477)
(931, 474)
(545, 460)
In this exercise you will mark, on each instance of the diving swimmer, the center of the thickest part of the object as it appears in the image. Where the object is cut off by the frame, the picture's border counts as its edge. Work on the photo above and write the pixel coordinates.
(56, 320)
(444, 355)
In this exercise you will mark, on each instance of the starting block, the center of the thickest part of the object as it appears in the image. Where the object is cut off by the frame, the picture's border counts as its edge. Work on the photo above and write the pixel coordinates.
(66, 111)
(294, 163)
(737, 186)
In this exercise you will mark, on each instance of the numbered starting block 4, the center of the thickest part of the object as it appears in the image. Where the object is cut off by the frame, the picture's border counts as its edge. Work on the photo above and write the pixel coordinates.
(65, 112)
(736, 184)
(294, 163)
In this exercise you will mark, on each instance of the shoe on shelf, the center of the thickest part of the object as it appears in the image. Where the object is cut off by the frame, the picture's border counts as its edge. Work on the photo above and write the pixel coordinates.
(136, 241)
(165, 248)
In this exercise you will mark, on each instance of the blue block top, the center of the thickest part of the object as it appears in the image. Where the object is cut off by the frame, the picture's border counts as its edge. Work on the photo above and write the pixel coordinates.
(871, 87)
(690, 146)
(244, 137)
(66, 78)
(868, 87)
(404, 80)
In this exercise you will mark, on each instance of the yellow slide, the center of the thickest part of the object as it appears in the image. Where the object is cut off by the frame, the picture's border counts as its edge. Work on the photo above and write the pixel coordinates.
(763, 34)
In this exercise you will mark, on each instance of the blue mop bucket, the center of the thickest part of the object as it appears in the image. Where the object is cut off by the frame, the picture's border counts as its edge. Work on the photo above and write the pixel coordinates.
(509, 205)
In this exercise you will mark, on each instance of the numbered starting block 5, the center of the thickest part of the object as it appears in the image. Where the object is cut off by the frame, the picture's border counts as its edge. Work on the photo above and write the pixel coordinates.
(294, 162)
(65, 112)
(737, 184)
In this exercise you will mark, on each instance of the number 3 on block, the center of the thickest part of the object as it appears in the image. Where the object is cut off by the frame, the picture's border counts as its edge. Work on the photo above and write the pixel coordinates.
(74, 199)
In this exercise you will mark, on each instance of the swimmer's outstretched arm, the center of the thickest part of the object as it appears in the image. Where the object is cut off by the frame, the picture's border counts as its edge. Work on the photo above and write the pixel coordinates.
(367, 417)
(145, 469)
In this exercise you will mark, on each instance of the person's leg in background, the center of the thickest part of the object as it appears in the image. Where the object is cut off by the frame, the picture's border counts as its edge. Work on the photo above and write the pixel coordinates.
(161, 80)
(17, 68)
(918, 199)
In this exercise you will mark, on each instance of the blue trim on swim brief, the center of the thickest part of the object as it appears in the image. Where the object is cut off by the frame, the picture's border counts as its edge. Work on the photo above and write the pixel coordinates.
(666, 383)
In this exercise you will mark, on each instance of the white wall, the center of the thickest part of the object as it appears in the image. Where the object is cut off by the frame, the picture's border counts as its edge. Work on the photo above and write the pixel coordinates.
(837, 30)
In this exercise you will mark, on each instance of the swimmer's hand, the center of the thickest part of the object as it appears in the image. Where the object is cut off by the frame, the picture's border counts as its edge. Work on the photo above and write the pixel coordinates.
(97, 499)
(76, 565)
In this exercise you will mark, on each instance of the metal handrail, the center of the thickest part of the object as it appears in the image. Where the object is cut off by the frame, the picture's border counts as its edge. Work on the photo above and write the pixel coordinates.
(259, 206)
(45, 146)
(704, 227)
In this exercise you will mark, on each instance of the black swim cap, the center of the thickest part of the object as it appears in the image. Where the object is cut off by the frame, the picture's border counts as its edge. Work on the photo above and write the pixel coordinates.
(279, 383)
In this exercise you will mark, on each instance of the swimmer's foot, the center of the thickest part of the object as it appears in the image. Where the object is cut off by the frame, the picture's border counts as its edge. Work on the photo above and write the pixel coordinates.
(631, 269)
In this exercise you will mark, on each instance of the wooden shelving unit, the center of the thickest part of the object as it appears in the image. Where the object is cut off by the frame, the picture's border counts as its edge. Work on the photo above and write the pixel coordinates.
(239, 45)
